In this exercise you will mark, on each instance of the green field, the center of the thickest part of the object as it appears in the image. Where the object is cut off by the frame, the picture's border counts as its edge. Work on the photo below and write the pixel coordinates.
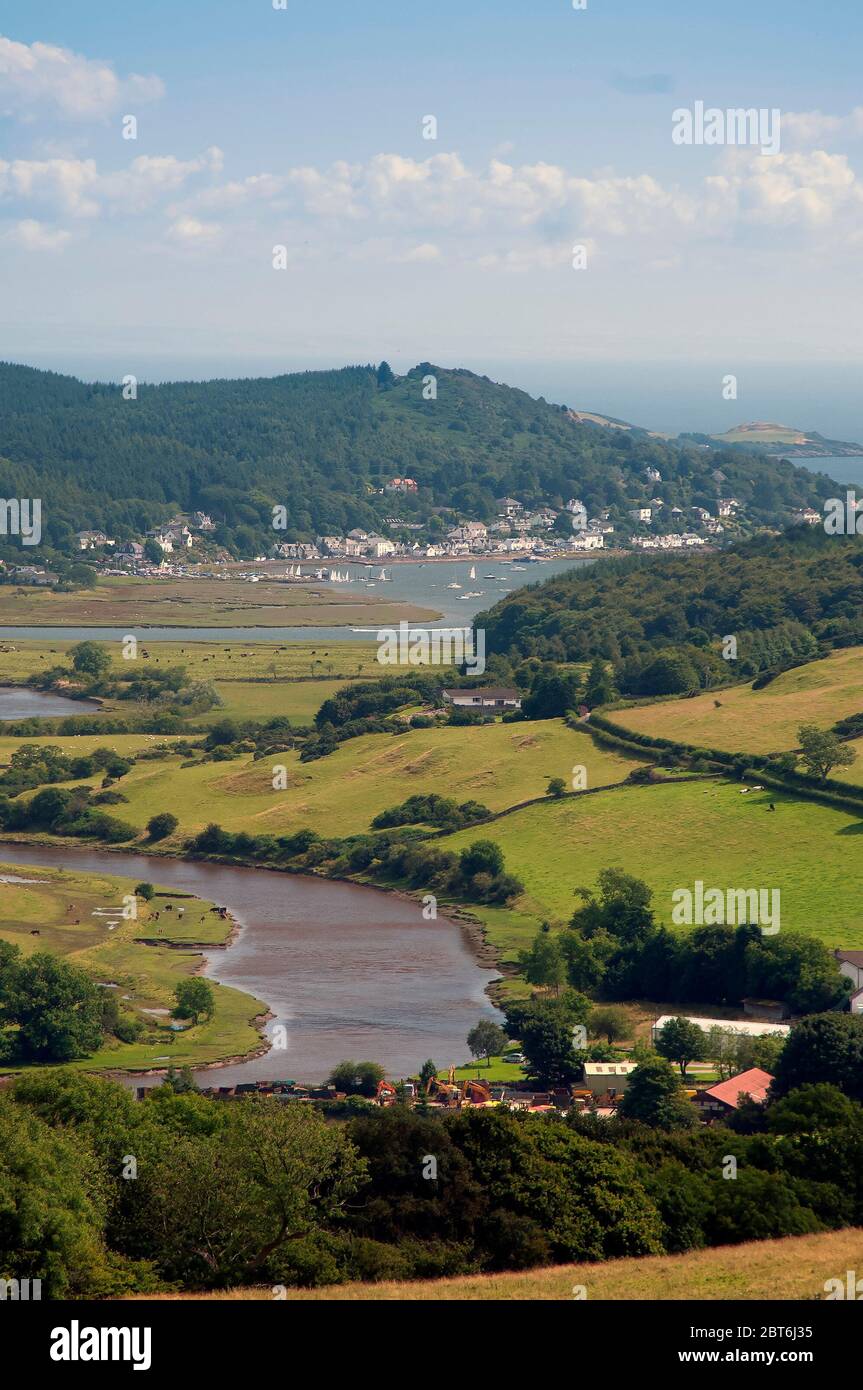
(669, 836)
(759, 721)
(228, 660)
(254, 680)
(81, 744)
(496, 764)
(72, 911)
(796, 1268)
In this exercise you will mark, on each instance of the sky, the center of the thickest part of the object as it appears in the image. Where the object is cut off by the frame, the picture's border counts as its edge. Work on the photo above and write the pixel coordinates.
(553, 233)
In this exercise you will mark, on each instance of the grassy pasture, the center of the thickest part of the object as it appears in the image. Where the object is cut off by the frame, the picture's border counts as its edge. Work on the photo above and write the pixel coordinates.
(497, 764)
(72, 910)
(669, 836)
(227, 660)
(759, 721)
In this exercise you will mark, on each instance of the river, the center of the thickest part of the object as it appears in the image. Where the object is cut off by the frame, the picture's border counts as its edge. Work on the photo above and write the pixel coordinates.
(351, 972)
(426, 584)
(17, 702)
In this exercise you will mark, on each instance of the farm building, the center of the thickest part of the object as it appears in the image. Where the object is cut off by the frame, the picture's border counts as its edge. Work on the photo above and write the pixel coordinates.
(751, 1028)
(728, 1095)
(611, 1077)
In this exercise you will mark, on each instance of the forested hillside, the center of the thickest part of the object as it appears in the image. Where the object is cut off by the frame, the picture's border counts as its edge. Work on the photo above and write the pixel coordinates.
(804, 584)
(323, 443)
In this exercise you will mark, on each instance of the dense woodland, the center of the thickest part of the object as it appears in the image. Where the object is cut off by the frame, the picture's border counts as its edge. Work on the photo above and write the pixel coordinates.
(263, 1192)
(322, 444)
(784, 597)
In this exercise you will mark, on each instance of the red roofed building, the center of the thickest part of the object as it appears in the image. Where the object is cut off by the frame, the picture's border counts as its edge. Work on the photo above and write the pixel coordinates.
(728, 1095)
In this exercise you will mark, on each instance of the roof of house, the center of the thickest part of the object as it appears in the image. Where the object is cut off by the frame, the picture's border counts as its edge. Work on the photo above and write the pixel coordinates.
(488, 692)
(609, 1068)
(750, 1027)
(754, 1083)
(851, 958)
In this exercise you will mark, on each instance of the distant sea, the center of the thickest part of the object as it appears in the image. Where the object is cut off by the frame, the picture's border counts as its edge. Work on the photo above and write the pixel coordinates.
(844, 469)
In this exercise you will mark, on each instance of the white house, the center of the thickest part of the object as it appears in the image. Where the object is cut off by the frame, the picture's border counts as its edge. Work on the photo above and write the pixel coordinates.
(489, 697)
(379, 547)
(92, 540)
(851, 966)
(641, 513)
(727, 506)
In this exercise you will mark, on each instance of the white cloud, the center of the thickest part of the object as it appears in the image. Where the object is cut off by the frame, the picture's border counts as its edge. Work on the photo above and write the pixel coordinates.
(35, 236)
(41, 78)
(802, 128)
(189, 231)
(76, 187)
(805, 190)
(426, 251)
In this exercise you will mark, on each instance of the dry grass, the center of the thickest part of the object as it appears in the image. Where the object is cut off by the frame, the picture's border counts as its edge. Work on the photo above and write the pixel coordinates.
(794, 1269)
(759, 721)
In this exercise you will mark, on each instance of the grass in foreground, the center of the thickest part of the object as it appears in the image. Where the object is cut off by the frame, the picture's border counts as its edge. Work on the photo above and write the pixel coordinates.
(759, 721)
(795, 1268)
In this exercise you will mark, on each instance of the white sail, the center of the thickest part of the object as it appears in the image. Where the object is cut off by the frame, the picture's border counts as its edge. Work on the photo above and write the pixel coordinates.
(472, 574)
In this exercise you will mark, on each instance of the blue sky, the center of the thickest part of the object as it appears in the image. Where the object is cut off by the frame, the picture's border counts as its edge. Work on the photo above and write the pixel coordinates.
(302, 128)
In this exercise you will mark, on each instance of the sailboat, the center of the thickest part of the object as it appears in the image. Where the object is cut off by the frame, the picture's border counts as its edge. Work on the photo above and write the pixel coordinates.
(384, 576)
(472, 574)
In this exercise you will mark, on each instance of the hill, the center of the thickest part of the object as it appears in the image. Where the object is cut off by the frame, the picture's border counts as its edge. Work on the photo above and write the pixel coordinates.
(324, 444)
(761, 721)
(785, 439)
(669, 835)
(498, 765)
(804, 582)
(797, 1267)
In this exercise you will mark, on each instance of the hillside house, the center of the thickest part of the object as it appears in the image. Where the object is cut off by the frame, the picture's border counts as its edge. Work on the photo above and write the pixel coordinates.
(490, 697)
(92, 540)
(400, 485)
(851, 966)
